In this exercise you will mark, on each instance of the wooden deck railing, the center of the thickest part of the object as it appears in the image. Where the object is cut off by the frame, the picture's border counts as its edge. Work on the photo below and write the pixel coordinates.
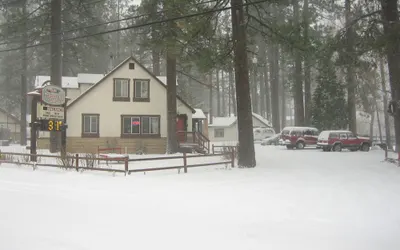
(194, 137)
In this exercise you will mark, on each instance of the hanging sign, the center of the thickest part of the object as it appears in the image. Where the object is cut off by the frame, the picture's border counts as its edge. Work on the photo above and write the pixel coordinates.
(53, 95)
(46, 112)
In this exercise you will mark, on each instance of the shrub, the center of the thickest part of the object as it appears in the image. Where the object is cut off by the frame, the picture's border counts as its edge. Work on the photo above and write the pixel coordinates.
(89, 160)
(66, 160)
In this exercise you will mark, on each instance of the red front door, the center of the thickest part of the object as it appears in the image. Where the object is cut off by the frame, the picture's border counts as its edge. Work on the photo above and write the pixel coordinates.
(180, 127)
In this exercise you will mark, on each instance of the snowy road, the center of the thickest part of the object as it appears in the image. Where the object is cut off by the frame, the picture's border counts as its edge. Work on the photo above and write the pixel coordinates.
(293, 200)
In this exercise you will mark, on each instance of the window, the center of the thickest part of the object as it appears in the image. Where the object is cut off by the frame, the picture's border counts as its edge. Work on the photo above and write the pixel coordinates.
(90, 125)
(219, 133)
(150, 125)
(141, 92)
(121, 90)
(351, 136)
(333, 136)
(140, 126)
(343, 136)
(131, 66)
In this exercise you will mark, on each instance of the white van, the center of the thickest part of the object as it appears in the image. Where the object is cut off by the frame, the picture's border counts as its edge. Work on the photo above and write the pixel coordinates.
(261, 133)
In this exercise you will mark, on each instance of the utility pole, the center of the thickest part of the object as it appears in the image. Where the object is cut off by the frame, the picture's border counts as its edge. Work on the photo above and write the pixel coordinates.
(246, 154)
(56, 62)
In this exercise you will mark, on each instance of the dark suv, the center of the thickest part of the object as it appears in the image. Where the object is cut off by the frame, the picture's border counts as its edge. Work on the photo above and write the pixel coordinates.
(336, 140)
(299, 137)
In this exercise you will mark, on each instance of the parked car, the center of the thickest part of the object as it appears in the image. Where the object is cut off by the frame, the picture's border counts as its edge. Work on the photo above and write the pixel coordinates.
(299, 137)
(261, 133)
(273, 140)
(336, 140)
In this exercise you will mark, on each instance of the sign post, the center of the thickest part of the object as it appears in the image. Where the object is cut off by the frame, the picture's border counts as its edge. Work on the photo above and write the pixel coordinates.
(48, 114)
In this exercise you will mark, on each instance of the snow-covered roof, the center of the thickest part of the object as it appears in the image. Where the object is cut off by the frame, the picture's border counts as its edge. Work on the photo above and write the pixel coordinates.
(67, 82)
(222, 121)
(163, 79)
(199, 114)
(228, 121)
(262, 119)
(89, 78)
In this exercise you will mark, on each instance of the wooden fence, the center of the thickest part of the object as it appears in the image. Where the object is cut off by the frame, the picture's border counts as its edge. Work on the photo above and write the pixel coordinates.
(78, 162)
(224, 149)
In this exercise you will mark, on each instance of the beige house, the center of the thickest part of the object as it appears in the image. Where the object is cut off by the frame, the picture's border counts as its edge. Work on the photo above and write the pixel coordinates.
(11, 122)
(224, 129)
(126, 108)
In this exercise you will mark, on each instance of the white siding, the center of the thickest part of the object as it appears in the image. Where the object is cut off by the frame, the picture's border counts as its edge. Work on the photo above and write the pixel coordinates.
(230, 133)
(99, 101)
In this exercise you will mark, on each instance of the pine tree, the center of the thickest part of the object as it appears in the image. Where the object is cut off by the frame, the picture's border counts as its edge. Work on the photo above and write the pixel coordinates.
(329, 98)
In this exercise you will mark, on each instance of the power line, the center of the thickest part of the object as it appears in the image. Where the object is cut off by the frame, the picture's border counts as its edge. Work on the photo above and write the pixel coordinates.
(26, 19)
(99, 24)
(142, 25)
(113, 21)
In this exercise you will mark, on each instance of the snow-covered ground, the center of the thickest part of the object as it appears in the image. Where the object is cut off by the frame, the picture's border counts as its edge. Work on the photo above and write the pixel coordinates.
(292, 200)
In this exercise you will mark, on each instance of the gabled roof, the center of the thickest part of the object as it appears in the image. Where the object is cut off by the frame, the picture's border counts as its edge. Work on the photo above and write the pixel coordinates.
(222, 121)
(115, 69)
(11, 116)
(262, 119)
(229, 121)
(199, 114)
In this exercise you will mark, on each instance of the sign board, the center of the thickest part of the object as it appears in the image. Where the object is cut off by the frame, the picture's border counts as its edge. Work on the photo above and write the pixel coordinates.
(53, 95)
(51, 125)
(47, 112)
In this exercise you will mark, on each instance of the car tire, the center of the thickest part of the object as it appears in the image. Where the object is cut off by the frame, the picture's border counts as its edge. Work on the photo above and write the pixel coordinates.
(300, 145)
(325, 149)
(337, 147)
(365, 147)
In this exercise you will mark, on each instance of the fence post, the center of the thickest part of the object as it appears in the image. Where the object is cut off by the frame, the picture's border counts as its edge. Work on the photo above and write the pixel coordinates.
(386, 153)
(213, 149)
(77, 162)
(126, 166)
(184, 163)
(233, 158)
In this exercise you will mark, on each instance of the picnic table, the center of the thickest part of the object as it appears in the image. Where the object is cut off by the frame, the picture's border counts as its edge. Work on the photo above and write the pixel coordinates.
(113, 157)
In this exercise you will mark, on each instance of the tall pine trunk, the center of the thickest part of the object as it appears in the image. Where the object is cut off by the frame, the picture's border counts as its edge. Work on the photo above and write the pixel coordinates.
(254, 97)
(283, 90)
(155, 54)
(233, 91)
(351, 84)
(24, 82)
(392, 32)
(56, 62)
(298, 83)
(385, 104)
(262, 95)
(274, 70)
(223, 94)
(307, 67)
(210, 96)
(218, 93)
(171, 56)
(267, 90)
(246, 154)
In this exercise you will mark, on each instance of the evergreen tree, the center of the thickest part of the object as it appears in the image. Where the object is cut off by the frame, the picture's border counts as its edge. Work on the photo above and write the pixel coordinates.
(329, 98)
